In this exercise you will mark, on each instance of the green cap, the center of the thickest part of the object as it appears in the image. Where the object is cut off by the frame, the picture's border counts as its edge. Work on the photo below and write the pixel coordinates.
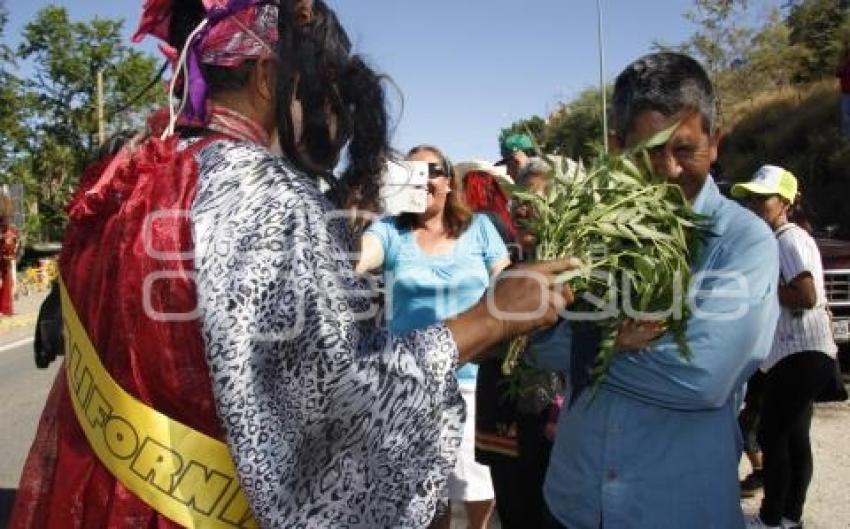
(516, 142)
(769, 180)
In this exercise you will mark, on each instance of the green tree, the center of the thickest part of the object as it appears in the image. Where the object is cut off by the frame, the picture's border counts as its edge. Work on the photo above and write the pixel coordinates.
(66, 57)
(721, 43)
(817, 27)
(575, 130)
(535, 125)
(61, 121)
(12, 131)
(720, 39)
(772, 61)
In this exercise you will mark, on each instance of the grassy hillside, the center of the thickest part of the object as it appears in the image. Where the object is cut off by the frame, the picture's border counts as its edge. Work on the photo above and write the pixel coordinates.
(799, 130)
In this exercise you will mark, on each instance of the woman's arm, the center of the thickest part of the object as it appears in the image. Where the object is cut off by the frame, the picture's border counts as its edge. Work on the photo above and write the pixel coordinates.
(798, 256)
(497, 267)
(799, 294)
(371, 254)
(496, 255)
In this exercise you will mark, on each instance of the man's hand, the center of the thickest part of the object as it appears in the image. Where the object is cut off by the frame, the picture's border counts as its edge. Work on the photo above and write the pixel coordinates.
(638, 334)
(522, 299)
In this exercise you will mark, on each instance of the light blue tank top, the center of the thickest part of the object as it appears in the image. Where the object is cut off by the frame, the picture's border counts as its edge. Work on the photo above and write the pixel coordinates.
(423, 289)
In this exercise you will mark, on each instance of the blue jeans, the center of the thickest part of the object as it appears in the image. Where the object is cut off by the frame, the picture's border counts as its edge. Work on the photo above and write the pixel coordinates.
(845, 115)
(555, 524)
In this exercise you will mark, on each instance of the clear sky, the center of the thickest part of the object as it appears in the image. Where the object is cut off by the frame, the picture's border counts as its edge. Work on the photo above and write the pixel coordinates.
(467, 68)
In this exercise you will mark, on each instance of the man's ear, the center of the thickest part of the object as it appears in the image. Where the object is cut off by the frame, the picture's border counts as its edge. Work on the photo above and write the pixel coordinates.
(714, 145)
(265, 78)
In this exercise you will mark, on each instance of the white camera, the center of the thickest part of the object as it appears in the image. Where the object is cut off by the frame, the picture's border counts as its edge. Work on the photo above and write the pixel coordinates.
(404, 187)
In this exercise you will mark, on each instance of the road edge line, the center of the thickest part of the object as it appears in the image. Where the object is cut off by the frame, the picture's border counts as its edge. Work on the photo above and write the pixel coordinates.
(13, 345)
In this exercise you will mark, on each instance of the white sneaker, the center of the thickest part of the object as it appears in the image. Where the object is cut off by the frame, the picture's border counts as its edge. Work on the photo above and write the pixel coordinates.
(754, 522)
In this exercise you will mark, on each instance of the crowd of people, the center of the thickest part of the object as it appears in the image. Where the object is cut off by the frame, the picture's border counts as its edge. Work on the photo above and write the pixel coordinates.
(259, 333)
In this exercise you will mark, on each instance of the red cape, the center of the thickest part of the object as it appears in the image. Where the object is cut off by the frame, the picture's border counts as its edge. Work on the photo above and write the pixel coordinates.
(111, 246)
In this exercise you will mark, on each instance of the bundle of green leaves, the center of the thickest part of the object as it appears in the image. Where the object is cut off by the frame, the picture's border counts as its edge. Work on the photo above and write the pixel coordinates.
(636, 236)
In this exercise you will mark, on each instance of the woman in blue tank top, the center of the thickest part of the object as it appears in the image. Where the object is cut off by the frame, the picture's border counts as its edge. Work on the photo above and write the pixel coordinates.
(437, 264)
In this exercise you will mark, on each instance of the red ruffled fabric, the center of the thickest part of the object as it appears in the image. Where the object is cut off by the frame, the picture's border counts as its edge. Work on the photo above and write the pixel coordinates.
(156, 17)
(110, 247)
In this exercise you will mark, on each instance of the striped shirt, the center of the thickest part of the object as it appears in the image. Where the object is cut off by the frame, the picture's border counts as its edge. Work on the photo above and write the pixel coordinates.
(802, 329)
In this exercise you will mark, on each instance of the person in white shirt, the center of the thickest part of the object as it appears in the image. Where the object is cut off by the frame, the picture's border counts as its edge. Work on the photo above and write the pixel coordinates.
(801, 362)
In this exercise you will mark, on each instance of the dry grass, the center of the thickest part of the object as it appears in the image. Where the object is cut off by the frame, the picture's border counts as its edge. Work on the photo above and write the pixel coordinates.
(797, 129)
(784, 97)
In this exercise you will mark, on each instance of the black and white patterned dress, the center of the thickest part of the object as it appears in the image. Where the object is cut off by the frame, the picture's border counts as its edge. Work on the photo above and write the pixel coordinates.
(332, 423)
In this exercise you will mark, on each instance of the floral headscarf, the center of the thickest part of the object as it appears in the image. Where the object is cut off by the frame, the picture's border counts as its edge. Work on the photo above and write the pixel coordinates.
(233, 31)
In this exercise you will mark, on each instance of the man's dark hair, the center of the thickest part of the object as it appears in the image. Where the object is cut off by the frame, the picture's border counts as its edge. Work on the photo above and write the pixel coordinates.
(663, 82)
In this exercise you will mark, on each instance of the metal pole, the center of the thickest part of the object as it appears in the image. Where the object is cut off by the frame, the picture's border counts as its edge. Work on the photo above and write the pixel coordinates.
(101, 122)
(602, 92)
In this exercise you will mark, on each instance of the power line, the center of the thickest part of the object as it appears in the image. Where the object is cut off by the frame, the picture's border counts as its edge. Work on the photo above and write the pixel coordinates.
(157, 78)
(603, 93)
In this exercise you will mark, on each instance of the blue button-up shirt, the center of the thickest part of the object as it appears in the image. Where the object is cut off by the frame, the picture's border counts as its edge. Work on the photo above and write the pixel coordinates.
(657, 446)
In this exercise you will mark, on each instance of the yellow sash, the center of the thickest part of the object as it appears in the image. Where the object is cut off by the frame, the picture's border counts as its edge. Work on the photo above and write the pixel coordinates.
(180, 472)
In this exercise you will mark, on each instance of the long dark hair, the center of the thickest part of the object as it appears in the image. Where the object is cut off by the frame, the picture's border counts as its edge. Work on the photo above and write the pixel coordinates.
(318, 69)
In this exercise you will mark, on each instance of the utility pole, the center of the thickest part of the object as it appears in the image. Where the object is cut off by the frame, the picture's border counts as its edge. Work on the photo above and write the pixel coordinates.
(603, 93)
(101, 122)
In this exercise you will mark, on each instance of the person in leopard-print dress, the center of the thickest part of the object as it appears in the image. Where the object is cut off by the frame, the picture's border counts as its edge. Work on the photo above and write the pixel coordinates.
(257, 331)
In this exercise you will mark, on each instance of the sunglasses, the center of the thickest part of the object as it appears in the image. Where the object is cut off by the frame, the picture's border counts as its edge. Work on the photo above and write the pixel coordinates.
(436, 170)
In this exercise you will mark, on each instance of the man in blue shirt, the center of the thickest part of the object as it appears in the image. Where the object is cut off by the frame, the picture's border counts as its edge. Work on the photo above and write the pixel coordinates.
(657, 446)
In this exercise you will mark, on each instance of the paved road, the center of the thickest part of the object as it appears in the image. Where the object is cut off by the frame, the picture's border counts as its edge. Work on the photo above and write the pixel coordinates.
(23, 390)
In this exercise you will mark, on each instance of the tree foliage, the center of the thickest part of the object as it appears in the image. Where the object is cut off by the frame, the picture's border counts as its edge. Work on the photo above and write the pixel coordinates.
(772, 60)
(818, 27)
(576, 129)
(66, 57)
(721, 39)
(535, 125)
(56, 105)
(12, 131)
(571, 130)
